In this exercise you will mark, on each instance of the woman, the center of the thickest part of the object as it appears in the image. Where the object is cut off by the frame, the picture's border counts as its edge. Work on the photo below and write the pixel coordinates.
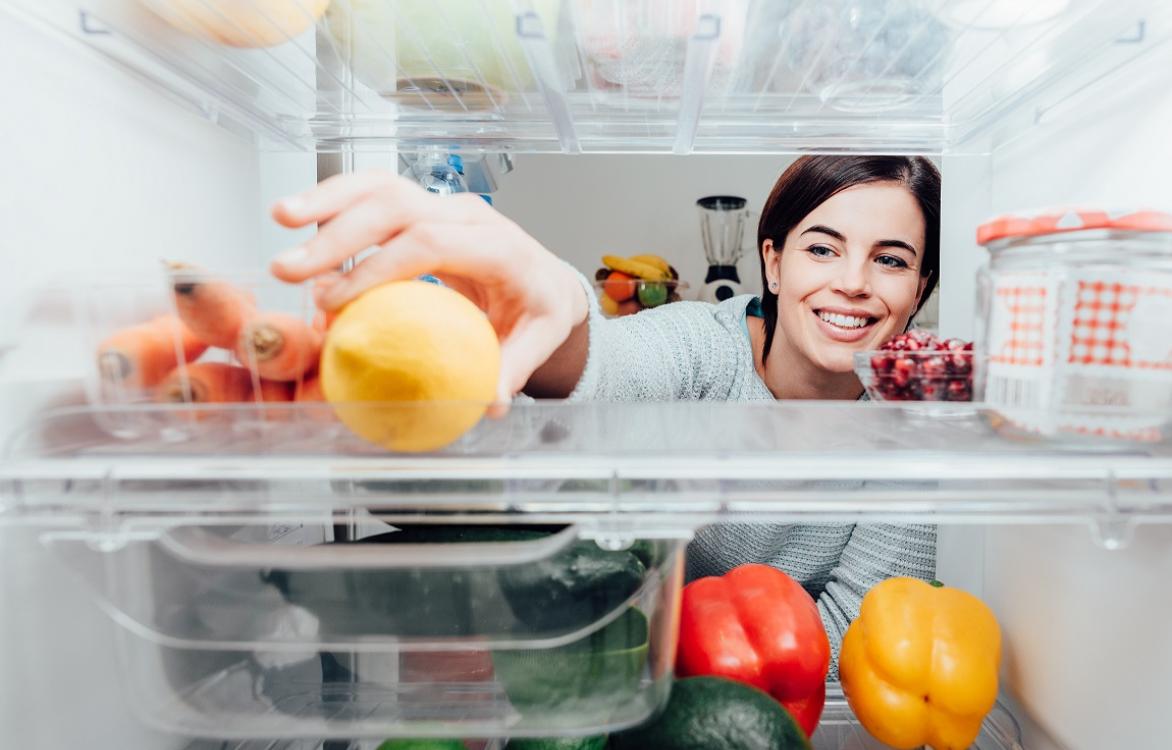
(849, 250)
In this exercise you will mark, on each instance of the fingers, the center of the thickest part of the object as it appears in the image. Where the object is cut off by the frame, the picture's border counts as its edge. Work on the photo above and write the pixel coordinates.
(332, 195)
(322, 284)
(424, 248)
(372, 221)
(375, 218)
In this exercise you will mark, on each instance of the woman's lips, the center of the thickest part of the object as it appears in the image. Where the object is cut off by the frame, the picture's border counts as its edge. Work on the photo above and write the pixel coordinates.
(844, 335)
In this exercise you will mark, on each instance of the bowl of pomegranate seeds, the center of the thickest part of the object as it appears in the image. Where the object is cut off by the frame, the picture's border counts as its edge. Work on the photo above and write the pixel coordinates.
(918, 366)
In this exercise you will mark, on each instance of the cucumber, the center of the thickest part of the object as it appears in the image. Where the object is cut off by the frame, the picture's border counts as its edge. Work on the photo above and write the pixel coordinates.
(422, 745)
(590, 677)
(713, 713)
(572, 589)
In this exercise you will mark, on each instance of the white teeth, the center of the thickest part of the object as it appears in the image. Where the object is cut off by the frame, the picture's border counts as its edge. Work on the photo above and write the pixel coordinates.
(843, 321)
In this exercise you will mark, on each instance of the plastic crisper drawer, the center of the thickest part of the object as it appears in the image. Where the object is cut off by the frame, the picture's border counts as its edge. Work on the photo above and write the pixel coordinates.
(271, 630)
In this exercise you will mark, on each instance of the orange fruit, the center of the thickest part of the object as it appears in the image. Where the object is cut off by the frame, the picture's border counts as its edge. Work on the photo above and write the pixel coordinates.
(619, 286)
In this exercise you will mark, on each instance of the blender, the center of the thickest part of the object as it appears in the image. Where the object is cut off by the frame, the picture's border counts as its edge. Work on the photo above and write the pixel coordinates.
(722, 227)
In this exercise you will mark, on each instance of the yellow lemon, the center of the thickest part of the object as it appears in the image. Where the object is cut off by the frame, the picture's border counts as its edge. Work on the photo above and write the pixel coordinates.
(410, 366)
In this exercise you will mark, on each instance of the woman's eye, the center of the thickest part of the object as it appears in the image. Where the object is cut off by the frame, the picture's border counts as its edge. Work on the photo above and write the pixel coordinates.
(891, 261)
(820, 251)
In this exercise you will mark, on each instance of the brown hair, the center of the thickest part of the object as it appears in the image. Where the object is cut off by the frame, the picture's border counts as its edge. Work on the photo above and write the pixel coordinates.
(811, 180)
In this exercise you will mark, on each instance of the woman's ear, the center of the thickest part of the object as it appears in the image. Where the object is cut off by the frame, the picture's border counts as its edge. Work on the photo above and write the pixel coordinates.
(772, 259)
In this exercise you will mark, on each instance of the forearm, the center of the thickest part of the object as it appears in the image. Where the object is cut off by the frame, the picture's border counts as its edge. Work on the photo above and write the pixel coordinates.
(560, 374)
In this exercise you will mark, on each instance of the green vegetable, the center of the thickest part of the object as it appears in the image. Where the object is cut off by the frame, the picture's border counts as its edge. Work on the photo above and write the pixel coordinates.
(422, 745)
(712, 713)
(572, 589)
(593, 676)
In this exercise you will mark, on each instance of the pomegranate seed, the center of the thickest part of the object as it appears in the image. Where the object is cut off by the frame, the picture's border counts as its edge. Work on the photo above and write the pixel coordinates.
(935, 367)
(882, 362)
(958, 390)
(960, 364)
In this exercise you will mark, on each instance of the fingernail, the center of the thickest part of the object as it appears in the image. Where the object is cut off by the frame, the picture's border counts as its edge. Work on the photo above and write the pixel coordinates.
(294, 204)
(293, 257)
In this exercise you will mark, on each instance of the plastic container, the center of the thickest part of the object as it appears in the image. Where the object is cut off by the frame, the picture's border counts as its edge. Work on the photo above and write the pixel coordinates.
(165, 358)
(136, 353)
(861, 56)
(1074, 307)
(273, 629)
(440, 57)
(640, 47)
(916, 376)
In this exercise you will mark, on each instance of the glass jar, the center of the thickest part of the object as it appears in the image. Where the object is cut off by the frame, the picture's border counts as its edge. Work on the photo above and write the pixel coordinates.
(1073, 328)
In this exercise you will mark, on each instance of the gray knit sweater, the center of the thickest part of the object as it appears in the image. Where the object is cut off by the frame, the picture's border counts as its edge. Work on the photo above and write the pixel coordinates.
(699, 352)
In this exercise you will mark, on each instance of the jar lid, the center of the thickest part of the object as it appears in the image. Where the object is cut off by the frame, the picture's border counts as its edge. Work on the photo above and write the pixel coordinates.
(1060, 220)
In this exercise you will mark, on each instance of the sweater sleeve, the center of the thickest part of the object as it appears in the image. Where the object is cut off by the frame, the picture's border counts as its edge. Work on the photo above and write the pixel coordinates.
(669, 353)
(873, 553)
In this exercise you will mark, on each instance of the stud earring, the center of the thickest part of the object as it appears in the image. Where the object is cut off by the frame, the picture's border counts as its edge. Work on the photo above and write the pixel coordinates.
(773, 286)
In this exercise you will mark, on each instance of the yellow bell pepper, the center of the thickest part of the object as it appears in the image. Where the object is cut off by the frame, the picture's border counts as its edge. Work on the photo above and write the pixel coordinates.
(919, 664)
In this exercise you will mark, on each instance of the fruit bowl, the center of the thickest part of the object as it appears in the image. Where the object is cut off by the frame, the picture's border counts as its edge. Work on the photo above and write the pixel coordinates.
(629, 285)
(626, 296)
(917, 366)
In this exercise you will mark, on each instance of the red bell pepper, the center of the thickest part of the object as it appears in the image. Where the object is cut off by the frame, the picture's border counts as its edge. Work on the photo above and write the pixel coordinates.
(758, 626)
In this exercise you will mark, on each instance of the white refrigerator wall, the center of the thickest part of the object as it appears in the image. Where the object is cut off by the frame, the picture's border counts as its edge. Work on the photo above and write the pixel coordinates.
(99, 174)
(1088, 648)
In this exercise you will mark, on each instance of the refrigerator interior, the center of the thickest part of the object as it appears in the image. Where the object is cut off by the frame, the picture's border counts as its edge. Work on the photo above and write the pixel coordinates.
(131, 142)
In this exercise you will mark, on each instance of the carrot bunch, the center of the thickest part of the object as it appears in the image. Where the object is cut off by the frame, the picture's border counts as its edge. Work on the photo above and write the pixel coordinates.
(276, 354)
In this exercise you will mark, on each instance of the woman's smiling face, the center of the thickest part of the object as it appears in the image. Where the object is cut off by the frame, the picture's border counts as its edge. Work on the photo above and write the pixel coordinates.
(848, 277)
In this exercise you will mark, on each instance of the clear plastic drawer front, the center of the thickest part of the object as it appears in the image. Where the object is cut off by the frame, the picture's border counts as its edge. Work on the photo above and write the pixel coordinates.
(276, 630)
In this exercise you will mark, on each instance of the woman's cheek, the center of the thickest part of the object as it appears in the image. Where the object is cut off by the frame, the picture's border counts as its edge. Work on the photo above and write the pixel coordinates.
(898, 294)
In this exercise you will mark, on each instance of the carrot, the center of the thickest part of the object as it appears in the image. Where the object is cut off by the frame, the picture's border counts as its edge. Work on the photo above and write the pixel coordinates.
(273, 392)
(309, 389)
(213, 309)
(206, 383)
(140, 356)
(278, 346)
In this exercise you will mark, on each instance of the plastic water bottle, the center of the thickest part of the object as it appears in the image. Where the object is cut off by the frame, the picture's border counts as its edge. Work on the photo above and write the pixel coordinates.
(441, 174)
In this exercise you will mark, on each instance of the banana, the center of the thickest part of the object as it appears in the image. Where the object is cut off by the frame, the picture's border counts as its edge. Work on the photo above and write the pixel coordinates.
(654, 260)
(635, 268)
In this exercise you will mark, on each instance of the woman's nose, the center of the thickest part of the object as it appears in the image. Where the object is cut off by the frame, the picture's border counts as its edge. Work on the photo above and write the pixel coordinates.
(853, 281)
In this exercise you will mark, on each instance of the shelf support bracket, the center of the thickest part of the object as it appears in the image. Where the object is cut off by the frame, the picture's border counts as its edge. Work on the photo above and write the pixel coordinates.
(1113, 530)
(539, 55)
(1137, 36)
(698, 60)
(88, 26)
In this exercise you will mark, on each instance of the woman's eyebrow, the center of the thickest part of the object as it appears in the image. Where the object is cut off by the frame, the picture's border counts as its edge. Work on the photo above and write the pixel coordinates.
(826, 230)
(896, 243)
(823, 229)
